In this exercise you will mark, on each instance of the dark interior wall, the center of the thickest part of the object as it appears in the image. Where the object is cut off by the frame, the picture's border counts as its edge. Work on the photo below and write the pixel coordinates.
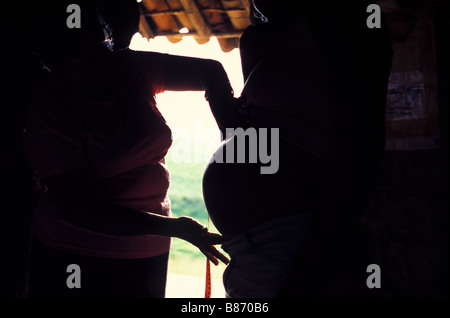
(21, 78)
(408, 215)
(409, 223)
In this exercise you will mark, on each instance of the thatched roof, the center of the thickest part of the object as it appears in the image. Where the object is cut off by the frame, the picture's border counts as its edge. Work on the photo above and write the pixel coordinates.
(224, 19)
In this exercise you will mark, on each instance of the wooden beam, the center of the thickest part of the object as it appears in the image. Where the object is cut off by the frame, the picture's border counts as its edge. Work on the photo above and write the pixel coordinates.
(226, 35)
(179, 12)
(165, 12)
(240, 19)
(197, 20)
(212, 10)
(144, 26)
(246, 4)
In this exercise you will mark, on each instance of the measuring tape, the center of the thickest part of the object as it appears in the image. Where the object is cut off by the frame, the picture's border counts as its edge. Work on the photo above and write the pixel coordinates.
(208, 275)
(208, 279)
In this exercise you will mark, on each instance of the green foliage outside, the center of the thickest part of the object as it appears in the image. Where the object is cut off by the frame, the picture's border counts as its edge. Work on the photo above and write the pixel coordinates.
(185, 193)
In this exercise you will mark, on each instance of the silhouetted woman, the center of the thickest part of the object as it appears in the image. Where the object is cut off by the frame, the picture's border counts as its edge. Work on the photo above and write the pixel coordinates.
(317, 73)
(97, 142)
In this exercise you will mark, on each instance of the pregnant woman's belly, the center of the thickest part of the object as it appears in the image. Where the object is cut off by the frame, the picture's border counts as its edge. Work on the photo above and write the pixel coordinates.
(238, 197)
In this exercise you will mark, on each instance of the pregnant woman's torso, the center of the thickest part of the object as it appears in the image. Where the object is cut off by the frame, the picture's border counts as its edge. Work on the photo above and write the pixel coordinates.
(284, 91)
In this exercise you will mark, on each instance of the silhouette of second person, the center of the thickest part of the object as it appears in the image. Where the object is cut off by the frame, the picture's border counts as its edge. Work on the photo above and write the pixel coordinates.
(97, 141)
(318, 74)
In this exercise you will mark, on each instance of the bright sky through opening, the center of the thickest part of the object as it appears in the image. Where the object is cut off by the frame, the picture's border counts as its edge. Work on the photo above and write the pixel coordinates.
(188, 113)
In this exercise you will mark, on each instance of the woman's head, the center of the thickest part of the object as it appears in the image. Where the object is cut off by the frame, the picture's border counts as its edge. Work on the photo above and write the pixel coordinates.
(122, 16)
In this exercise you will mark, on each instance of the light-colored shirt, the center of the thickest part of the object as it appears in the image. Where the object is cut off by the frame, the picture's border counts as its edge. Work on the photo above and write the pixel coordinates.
(102, 116)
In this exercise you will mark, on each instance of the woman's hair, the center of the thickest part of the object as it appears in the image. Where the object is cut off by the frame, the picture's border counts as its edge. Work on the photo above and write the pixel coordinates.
(122, 17)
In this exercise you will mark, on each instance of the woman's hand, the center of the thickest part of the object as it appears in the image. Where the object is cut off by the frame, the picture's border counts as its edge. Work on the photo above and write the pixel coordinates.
(195, 233)
(225, 111)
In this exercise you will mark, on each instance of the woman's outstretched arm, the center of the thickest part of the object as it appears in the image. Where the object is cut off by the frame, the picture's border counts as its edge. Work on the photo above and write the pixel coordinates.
(74, 193)
(181, 73)
(186, 73)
